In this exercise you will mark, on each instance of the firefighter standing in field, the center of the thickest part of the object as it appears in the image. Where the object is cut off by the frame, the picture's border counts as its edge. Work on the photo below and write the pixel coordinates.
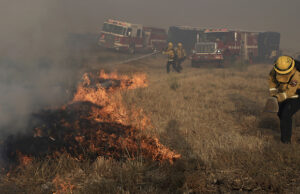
(284, 82)
(181, 55)
(172, 57)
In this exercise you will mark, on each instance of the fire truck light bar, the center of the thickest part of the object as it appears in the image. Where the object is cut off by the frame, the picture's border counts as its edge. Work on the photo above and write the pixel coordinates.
(117, 22)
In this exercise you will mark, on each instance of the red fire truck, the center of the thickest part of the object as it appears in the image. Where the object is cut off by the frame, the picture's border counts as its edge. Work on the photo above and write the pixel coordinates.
(124, 36)
(221, 45)
(154, 38)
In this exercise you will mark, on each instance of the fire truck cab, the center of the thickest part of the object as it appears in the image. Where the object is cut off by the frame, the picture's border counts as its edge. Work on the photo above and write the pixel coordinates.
(222, 45)
(124, 36)
(121, 35)
(206, 52)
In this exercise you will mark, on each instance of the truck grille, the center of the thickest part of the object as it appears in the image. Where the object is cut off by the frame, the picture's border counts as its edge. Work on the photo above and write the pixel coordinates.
(109, 40)
(205, 47)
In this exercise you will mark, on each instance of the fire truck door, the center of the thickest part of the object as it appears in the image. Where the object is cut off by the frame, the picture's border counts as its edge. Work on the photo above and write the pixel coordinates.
(134, 31)
(146, 40)
(244, 46)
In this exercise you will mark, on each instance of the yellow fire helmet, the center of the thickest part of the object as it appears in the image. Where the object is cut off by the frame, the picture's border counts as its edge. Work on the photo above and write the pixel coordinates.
(170, 45)
(284, 65)
(179, 45)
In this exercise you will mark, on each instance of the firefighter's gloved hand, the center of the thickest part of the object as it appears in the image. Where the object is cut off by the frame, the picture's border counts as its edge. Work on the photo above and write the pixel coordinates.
(281, 97)
(273, 91)
(271, 105)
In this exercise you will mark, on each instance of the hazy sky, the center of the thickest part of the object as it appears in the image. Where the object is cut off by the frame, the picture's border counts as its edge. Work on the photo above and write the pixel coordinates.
(258, 15)
(88, 15)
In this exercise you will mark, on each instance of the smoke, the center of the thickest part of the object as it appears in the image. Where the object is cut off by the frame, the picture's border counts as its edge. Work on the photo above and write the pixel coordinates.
(34, 67)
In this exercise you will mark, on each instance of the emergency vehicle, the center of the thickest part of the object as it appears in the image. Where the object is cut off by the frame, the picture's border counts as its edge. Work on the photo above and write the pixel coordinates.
(187, 35)
(125, 36)
(220, 46)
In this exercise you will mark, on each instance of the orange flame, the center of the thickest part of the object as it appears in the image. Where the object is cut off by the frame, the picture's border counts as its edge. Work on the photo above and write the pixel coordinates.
(96, 123)
(113, 110)
(111, 100)
(62, 186)
(24, 160)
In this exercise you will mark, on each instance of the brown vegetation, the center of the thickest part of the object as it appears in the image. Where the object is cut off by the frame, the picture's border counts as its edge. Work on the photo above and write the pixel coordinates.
(212, 117)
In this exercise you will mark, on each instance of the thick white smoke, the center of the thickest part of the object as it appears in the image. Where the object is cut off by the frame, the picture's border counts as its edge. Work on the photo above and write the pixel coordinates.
(34, 71)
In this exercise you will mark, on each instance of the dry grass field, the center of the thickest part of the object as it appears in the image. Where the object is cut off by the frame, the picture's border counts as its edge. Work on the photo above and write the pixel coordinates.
(211, 116)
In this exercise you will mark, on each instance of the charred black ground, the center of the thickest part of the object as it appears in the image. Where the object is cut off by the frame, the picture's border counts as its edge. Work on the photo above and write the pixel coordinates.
(73, 130)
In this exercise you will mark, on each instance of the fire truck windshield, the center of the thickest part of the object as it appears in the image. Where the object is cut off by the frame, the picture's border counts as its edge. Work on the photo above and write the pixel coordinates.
(220, 36)
(113, 29)
(205, 47)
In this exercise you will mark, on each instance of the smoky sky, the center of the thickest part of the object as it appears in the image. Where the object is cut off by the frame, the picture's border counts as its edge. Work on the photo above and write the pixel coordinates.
(64, 16)
(256, 15)
(35, 30)
(253, 15)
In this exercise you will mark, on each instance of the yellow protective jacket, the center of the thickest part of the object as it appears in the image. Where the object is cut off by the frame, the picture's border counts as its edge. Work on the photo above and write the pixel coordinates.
(180, 53)
(170, 53)
(284, 86)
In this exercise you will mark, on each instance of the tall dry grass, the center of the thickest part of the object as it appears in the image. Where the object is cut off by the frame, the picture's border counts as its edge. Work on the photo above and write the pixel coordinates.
(213, 117)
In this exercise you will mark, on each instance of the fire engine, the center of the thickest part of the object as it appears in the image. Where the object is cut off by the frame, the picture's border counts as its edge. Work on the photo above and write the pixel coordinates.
(207, 52)
(187, 35)
(220, 46)
(125, 36)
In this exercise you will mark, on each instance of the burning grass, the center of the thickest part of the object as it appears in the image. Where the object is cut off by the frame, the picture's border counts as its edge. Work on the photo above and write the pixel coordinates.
(213, 120)
(94, 124)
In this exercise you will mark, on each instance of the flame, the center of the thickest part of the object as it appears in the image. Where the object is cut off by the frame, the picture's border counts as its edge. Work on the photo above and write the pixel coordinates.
(23, 159)
(62, 186)
(114, 111)
(110, 99)
(97, 124)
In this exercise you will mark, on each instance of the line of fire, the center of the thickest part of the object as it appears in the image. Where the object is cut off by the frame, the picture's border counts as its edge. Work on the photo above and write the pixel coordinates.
(95, 123)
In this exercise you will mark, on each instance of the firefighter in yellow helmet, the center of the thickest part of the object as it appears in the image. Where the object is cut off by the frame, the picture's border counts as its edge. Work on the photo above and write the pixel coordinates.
(284, 83)
(171, 57)
(181, 55)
